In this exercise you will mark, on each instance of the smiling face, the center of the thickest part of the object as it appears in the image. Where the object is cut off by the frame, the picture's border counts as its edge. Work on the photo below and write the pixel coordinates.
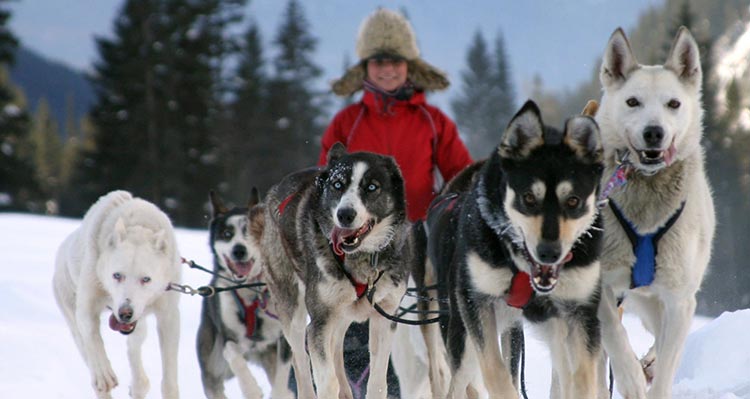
(387, 73)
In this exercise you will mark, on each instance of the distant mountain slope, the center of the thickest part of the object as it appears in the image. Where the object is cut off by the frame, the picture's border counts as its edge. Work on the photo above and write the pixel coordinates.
(40, 77)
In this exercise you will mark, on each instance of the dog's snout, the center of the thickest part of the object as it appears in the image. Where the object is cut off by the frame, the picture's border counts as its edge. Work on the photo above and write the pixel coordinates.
(653, 135)
(125, 313)
(346, 216)
(548, 251)
(239, 252)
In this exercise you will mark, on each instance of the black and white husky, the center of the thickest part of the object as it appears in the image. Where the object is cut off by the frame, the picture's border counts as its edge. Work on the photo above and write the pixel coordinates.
(519, 236)
(335, 236)
(240, 325)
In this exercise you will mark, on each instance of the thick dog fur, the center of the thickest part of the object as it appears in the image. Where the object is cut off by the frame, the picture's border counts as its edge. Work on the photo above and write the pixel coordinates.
(655, 112)
(122, 258)
(312, 214)
(223, 344)
(527, 209)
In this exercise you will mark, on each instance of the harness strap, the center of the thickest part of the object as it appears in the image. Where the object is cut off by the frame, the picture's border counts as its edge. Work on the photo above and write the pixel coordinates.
(645, 247)
(249, 313)
(359, 287)
(285, 202)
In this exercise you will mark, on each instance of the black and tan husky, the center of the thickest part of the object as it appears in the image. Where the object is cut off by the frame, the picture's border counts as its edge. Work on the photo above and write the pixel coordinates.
(517, 238)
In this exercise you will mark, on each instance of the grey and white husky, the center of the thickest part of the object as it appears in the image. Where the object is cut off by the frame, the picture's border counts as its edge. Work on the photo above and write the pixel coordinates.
(333, 237)
(240, 325)
(518, 238)
(659, 227)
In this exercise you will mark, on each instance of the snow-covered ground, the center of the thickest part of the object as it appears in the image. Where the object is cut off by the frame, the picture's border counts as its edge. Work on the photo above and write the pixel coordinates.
(38, 358)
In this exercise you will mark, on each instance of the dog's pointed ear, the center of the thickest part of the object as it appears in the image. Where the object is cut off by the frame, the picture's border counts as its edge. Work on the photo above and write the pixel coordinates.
(684, 58)
(160, 241)
(583, 137)
(590, 109)
(217, 205)
(337, 151)
(118, 234)
(524, 133)
(618, 61)
(254, 197)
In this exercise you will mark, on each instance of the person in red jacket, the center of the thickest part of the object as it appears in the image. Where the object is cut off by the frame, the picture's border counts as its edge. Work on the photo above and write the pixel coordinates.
(393, 116)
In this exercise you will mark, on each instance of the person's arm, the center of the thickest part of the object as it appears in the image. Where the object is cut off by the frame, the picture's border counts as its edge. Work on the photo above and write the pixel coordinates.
(452, 155)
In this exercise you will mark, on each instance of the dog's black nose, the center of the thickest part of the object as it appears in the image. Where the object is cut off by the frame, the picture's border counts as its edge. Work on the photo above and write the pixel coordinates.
(346, 216)
(653, 135)
(239, 252)
(548, 251)
(126, 313)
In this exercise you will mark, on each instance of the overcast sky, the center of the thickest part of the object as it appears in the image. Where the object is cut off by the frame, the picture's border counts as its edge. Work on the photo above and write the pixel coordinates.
(560, 40)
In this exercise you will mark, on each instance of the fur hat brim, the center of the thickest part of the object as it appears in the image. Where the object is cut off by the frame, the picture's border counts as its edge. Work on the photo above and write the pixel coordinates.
(423, 75)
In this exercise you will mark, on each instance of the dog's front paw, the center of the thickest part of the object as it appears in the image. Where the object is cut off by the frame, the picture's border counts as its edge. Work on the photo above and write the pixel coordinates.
(103, 378)
(139, 387)
(630, 380)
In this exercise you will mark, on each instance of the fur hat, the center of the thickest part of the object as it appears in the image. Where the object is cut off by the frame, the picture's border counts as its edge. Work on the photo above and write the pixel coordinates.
(388, 33)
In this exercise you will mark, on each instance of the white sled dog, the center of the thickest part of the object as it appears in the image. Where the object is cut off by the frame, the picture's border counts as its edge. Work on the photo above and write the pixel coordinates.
(660, 225)
(122, 258)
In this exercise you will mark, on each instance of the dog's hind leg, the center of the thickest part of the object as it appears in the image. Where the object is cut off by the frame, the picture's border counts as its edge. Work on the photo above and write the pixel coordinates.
(676, 318)
(168, 329)
(294, 332)
(575, 353)
(233, 353)
(280, 373)
(139, 386)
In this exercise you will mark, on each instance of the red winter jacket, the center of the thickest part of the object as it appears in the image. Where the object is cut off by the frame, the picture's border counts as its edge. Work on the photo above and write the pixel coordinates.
(405, 130)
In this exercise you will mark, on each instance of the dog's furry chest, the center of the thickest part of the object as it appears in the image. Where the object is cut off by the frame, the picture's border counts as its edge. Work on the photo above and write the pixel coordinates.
(234, 309)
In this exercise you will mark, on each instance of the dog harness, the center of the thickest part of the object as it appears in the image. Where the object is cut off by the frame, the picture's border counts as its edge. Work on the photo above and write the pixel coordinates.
(249, 313)
(359, 287)
(645, 247)
(520, 291)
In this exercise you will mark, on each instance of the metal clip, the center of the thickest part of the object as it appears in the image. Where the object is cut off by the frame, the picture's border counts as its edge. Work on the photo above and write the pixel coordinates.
(185, 289)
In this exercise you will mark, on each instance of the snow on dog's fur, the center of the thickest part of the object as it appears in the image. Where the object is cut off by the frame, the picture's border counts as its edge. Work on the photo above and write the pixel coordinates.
(122, 258)
(655, 113)
(331, 236)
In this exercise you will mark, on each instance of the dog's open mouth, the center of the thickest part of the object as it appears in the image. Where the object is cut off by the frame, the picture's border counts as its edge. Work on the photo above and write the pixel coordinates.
(240, 270)
(123, 328)
(657, 158)
(348, 240)
(544, 276)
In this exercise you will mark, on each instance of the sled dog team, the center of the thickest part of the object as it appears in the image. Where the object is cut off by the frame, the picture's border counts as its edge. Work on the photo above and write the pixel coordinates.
(535, 235)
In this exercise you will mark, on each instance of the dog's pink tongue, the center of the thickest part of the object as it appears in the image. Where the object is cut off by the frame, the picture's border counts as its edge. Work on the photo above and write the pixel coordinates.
(117, 326)
(336, 240)
(669, 154)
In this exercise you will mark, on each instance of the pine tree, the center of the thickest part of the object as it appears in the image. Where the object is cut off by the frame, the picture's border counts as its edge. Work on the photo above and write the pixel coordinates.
(295, 108)
(19, 188)
(46, 151)
(487, 97)
(158, 91)
(471, 107)
(247, 147)
(504, 93)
